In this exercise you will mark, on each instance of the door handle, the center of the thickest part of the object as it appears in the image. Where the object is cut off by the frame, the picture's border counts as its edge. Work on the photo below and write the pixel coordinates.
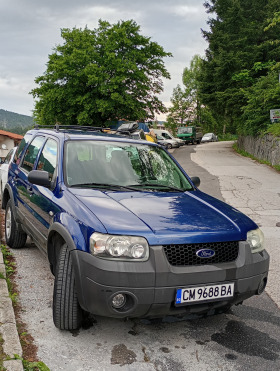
(30, 190)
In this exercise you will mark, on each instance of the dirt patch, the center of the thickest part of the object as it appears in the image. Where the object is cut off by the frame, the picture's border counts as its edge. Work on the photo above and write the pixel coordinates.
(122, 356)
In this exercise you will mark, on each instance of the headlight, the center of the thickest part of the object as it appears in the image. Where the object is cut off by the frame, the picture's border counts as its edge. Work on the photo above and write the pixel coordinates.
(108, 246)
(255, 239)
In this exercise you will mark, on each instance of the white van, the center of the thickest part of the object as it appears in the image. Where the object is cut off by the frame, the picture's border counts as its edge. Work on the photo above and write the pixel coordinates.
(167, 135)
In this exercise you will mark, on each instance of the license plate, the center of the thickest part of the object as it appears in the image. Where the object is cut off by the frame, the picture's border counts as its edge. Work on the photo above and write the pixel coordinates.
(202, 293)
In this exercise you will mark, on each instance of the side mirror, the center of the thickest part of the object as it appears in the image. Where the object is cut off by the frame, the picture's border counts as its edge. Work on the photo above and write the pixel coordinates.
(196, 181)
(39, 177)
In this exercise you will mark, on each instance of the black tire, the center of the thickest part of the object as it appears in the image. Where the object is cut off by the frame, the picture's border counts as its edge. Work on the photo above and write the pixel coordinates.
(14, 237)
(169, 146)
(67, 313)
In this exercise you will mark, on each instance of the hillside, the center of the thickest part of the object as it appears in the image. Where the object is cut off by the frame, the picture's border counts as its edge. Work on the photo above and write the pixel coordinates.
(15, 122)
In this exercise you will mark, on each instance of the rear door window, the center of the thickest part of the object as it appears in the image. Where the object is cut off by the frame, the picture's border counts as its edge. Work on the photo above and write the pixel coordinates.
(27, 138)
(31, 153)
(48, 158)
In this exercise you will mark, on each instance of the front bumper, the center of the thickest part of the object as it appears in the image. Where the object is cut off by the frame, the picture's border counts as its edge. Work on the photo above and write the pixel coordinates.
(150, 287)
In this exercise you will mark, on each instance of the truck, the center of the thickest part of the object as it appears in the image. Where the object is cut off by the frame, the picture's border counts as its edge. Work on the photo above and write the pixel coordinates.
(190, 134)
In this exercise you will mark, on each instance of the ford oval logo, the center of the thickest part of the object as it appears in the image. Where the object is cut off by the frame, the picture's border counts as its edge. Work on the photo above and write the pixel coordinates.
(205, 253)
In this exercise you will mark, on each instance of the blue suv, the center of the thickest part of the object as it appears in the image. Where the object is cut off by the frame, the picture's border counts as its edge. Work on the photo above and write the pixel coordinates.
(125, 229)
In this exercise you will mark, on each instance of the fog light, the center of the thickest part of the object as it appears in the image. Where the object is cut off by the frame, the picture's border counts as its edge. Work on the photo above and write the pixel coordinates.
(119, 301)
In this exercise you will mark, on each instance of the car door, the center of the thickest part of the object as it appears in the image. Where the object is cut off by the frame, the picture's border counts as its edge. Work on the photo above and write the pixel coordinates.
(23, 187)
(41, 198)
(39, 203)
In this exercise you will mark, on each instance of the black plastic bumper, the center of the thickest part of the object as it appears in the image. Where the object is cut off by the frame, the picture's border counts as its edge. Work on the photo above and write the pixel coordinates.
(150, 287)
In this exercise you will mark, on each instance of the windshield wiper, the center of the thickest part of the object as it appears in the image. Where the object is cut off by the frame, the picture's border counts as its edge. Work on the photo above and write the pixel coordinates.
(133, 187)
(112, 186)
(166, 187)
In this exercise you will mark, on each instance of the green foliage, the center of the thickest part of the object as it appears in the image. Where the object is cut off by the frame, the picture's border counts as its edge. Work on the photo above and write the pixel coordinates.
(14, 122)
(209, 122)
(191, 82)
(243, 47)
(263, 96)
(170, 124)
(228, 137)
(274, 129)
(32, 366)
(274, 21)
(108, 73)
(179, 111)
(190, 77)
(2, 354)
(9, 266)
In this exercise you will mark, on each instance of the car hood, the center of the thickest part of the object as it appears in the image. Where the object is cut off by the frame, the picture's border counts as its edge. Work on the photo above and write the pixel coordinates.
(167, 217)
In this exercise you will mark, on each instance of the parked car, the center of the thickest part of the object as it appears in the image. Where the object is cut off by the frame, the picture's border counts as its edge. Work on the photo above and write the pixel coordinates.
(126, 231)
(190, 134)
(168, 143)
(4, 168)
(167, 135)
(209, 137)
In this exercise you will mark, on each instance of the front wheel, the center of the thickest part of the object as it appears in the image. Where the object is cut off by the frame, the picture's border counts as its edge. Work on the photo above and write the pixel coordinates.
(169, 146)
(67, 313)
(14, 237)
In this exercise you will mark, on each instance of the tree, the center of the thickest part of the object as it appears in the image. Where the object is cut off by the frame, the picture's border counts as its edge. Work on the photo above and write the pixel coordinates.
(179, 112)
(97, 75)
(191, 82)
(237, 40)
(263, 96)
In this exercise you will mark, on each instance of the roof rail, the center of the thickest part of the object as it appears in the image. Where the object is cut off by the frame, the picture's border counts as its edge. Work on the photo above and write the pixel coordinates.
(58, 127)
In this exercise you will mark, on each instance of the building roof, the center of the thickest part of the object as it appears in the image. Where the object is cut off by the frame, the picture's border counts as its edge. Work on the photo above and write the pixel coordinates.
(11, 135)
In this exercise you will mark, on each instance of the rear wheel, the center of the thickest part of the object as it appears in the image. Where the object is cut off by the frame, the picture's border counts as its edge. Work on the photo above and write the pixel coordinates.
(169, 146)
(67, 313)
(14, 237)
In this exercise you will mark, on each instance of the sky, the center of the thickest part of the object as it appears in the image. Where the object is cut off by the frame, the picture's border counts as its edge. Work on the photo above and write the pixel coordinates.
(30, 29)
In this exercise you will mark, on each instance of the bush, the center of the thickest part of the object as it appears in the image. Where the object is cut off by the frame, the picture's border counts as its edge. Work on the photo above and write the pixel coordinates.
(274, 129)
(227, 137)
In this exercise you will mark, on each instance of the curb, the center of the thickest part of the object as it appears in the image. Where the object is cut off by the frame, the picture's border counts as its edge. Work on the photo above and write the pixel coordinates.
(8, 328)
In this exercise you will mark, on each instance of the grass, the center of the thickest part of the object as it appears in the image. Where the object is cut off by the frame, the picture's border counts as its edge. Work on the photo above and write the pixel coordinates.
(227, 137)
(29, 350)
(274, 129)
(247, 154)
(10, 270)
(2, 354)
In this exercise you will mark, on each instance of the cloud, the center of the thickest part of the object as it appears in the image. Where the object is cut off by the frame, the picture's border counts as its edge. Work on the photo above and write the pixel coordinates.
(186, 10)
(30, 29)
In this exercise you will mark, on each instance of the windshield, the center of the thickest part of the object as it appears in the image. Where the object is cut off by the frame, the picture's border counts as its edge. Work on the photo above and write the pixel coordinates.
(159, 137)
(185, 130)
(102, 163)
(208, 135)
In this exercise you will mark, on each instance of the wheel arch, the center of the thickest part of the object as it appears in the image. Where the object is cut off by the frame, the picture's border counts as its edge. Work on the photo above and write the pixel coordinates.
(7, 194)
(57, 237)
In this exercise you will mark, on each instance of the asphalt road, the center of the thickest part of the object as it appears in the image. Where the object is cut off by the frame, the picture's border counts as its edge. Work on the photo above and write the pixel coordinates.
(247, 338)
